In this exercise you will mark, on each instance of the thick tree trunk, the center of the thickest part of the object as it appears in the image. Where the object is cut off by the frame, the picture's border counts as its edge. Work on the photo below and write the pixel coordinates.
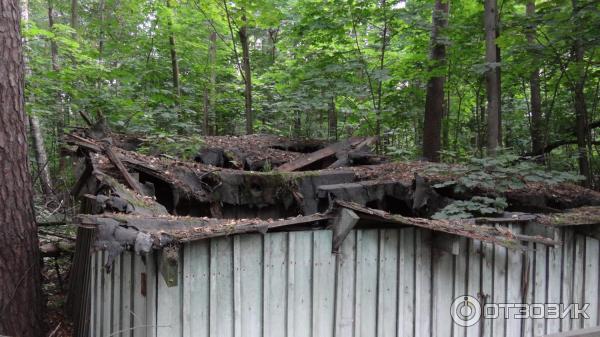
(537, 128)
(581, 118)
(332, 120)
(174, 61)
(491, 77)
(243, 33)
(20, 295)
(434, 101)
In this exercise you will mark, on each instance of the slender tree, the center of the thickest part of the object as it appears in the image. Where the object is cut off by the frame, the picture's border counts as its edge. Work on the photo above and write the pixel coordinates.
(173, 50)
(581, 115)
(20, 296)
(491, 76)
(243, 33)
(537, 136)
(332, 120)
(434, 101)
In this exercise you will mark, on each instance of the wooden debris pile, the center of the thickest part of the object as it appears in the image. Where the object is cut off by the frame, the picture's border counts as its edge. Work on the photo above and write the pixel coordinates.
(304, 184)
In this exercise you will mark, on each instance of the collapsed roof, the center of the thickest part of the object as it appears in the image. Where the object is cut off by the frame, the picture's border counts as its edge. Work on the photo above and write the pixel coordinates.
(265, 183)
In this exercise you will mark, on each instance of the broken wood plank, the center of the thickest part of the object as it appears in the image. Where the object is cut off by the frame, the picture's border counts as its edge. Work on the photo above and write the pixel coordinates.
(322, 154)
(467, 227)
(343, 223)
(114, 158)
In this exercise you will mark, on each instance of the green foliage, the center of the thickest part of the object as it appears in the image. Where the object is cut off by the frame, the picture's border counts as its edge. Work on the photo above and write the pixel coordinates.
(477, 206)
(500, 174)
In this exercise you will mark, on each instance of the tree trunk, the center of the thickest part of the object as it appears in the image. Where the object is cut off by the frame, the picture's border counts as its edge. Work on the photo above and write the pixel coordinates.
(434, 101)
(537, 128)
(212, 57)
(41, 157)
(20, 297)
(384, 34)
(205, 122)
(74, 17)
(53, 46)
(174, 62)
(243, 33)
(332, 119)
(581, 117)
(491, 77)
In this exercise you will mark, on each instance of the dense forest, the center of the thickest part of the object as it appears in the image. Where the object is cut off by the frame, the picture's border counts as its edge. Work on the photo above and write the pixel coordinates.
(433, 79)
(437, 80)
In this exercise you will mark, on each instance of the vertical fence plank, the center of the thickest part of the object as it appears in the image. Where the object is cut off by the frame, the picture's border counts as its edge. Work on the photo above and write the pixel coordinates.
(591, 281)
(323, 285)
(93, 294)
(345, 261)
(540, 287)
(388, 283)
(473, 283)
(169, 301)
(366, 282)
(568, 257)
(499, 288)
(106, 297)
(196, 283)
(529, 284)
(487, 275)
(554, 285)
(291, 285)
(423, 283)
(302, 294)
(275, 284)
(251, 289)
(578, 277)
(126, 289)
(442, 292)
(514, 287)
(406, 279)
(221, 287)
(460, 280)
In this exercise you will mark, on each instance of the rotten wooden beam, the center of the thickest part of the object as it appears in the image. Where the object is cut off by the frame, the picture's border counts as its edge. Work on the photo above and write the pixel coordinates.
(322, 154)
(114, 158)
(342, 224)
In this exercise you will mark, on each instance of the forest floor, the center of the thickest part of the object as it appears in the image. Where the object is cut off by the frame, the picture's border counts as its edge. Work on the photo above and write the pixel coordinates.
(54, 284)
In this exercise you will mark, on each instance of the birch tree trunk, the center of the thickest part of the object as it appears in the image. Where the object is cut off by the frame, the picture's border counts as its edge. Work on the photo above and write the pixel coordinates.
(20, 294)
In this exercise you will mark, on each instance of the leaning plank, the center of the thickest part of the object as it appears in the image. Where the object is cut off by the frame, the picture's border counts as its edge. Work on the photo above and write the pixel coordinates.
(468, 228)
(112, 156)
(342, 225)
(324, 153)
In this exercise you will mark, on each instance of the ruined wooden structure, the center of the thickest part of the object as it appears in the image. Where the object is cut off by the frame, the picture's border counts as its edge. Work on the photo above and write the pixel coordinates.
(265, 236)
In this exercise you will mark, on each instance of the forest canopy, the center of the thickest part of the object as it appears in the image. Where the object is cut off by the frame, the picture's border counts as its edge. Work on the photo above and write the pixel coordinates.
(422, 75)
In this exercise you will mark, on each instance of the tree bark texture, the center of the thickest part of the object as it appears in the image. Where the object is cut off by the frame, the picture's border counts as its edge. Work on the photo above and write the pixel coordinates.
(537, 128)
(174, 61)
(434, 101)
(581, 118)
(332, 120)
(53, 46)
(491, 77)
(41, 157)
(243, 33)
(212, 59)
(20, 294)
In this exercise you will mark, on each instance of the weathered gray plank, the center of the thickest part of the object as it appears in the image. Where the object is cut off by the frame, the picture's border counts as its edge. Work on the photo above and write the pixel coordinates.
(323, 287)
(251, 288)
(499, 291)
(423, 283)
(344, 319)
(126, 289)
(221, 287)
(442, 292)
(591, 281)
(406, 286)
(529, 278)
(578, 277)
(169, 321)
(460, 279)
(554, 285)
(106, 297)
(540, 286)
(94, 302)
(196, 284)
(487, 276)
(275, 284)
(387, 293)
(474, 282)
(366, 282)
(301, 299)
(514, 279)
(568, 249)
